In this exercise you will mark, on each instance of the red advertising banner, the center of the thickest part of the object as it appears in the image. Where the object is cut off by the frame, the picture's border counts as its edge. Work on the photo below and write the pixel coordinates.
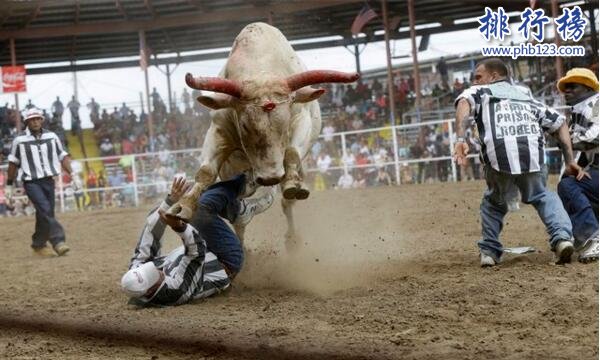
(13, 79)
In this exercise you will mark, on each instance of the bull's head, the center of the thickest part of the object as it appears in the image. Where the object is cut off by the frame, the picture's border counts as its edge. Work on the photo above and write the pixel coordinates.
(265, 110)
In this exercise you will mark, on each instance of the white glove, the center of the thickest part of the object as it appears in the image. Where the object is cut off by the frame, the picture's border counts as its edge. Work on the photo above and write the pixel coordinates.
(8, 192)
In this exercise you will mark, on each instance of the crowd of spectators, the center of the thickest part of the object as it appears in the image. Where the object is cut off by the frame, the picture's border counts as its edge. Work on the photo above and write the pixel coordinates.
(366, 105)
(122, 132)
(368, 159)
(8, 129)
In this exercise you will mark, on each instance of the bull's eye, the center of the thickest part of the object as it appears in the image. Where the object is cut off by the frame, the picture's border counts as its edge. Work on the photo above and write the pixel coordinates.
(268, 106)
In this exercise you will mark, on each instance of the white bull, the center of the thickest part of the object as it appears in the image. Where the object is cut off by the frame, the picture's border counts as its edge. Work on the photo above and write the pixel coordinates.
(265, 117)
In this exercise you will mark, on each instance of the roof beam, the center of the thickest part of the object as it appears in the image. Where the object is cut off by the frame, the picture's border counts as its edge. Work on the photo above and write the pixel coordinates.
(150, 8)
(6, 16)
(197, 4)
(77, 11)
(33, 16)
(237, 15)
(224, 54)
(121, 9)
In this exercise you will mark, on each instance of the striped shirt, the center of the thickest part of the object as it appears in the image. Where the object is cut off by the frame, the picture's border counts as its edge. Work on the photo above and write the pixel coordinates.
(511, 125)
(37, 157)
(584, 128)
(191, 272)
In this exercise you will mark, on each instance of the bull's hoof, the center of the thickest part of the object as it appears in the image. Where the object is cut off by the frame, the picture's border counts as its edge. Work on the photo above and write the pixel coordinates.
(302, 192)
(180, 211)
(290, 189)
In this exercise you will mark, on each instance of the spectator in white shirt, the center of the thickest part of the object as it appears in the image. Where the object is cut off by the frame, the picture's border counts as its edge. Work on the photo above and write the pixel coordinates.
(328, 131)
(323, 164)
(106, 147)
(345, 181)
(380, 156)
(349, 159)
(357, 123)
(351, 109)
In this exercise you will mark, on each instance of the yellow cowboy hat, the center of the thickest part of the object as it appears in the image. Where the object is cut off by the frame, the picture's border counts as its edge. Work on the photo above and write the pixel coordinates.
(581, 76)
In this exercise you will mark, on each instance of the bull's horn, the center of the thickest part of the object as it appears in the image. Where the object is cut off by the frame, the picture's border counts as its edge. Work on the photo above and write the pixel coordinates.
(215, 84)
(312, 77)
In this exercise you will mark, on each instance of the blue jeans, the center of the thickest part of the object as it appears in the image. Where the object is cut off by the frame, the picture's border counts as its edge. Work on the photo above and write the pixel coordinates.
(221, 201)
(533, 191)
(580, 199)
(47, 228)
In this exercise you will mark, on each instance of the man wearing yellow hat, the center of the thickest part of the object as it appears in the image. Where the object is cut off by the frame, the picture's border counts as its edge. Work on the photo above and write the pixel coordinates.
(580, 197)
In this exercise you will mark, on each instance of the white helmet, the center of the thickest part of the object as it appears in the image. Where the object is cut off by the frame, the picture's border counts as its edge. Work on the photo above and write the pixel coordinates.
(33, 113)
(136, 282)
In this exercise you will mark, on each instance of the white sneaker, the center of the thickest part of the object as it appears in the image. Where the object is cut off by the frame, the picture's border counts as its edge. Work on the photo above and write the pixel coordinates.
(251, 207)
(563, 251)
(486, 260)
(589, 251)
(513, 205)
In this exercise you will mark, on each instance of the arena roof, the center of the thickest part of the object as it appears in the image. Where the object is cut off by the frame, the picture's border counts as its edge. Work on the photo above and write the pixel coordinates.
(68, 30)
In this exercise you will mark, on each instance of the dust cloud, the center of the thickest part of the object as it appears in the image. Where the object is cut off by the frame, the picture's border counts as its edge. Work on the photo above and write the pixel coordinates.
(339, 244)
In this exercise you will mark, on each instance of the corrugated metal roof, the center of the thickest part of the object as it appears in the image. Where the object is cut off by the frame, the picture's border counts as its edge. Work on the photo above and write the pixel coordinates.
(65, 30)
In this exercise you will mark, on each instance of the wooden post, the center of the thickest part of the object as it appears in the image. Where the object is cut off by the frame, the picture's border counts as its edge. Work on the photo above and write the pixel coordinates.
(143, 47)
(411, 18)
(390, 77)
(356, 56)
(169, 88)
(558, 60)
(13, 60)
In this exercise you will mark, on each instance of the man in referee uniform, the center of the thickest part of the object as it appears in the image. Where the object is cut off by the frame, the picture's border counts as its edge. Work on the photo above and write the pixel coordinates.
(37, 157)
(511, 126)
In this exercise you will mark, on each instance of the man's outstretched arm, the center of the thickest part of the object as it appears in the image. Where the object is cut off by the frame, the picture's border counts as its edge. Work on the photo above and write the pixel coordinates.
(150, 242)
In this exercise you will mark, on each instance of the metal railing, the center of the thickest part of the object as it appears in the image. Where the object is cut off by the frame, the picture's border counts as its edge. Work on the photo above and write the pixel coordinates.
(137, 178)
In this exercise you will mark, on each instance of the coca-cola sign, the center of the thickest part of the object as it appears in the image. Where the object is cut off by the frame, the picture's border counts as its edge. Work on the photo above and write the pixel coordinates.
(13, 79)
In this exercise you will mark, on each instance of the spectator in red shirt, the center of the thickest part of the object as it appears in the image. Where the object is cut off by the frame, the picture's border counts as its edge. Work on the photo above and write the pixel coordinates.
(127, 145)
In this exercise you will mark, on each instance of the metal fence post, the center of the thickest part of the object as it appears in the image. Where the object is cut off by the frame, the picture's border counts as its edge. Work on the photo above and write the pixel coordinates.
(344, 154)
(136, 199)
(451, 136)
(396, 162)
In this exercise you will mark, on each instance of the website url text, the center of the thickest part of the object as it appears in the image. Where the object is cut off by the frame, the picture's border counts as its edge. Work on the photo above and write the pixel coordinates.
(533, 50)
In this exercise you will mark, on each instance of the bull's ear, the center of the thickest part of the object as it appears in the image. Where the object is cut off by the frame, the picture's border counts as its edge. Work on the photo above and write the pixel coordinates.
(307, 94)
(217, 101)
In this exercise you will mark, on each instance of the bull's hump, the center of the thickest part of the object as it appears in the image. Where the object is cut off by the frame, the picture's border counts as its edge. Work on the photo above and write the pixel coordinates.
(259, 48)
(260, 29)
(259, 37)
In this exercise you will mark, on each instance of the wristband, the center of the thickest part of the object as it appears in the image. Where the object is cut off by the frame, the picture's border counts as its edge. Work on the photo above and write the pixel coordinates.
(460, 139)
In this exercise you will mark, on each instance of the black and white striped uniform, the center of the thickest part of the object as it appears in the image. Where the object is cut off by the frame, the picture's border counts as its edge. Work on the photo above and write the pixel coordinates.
(584, 128)
(511, 126)
(37, 158)
(191, 272)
